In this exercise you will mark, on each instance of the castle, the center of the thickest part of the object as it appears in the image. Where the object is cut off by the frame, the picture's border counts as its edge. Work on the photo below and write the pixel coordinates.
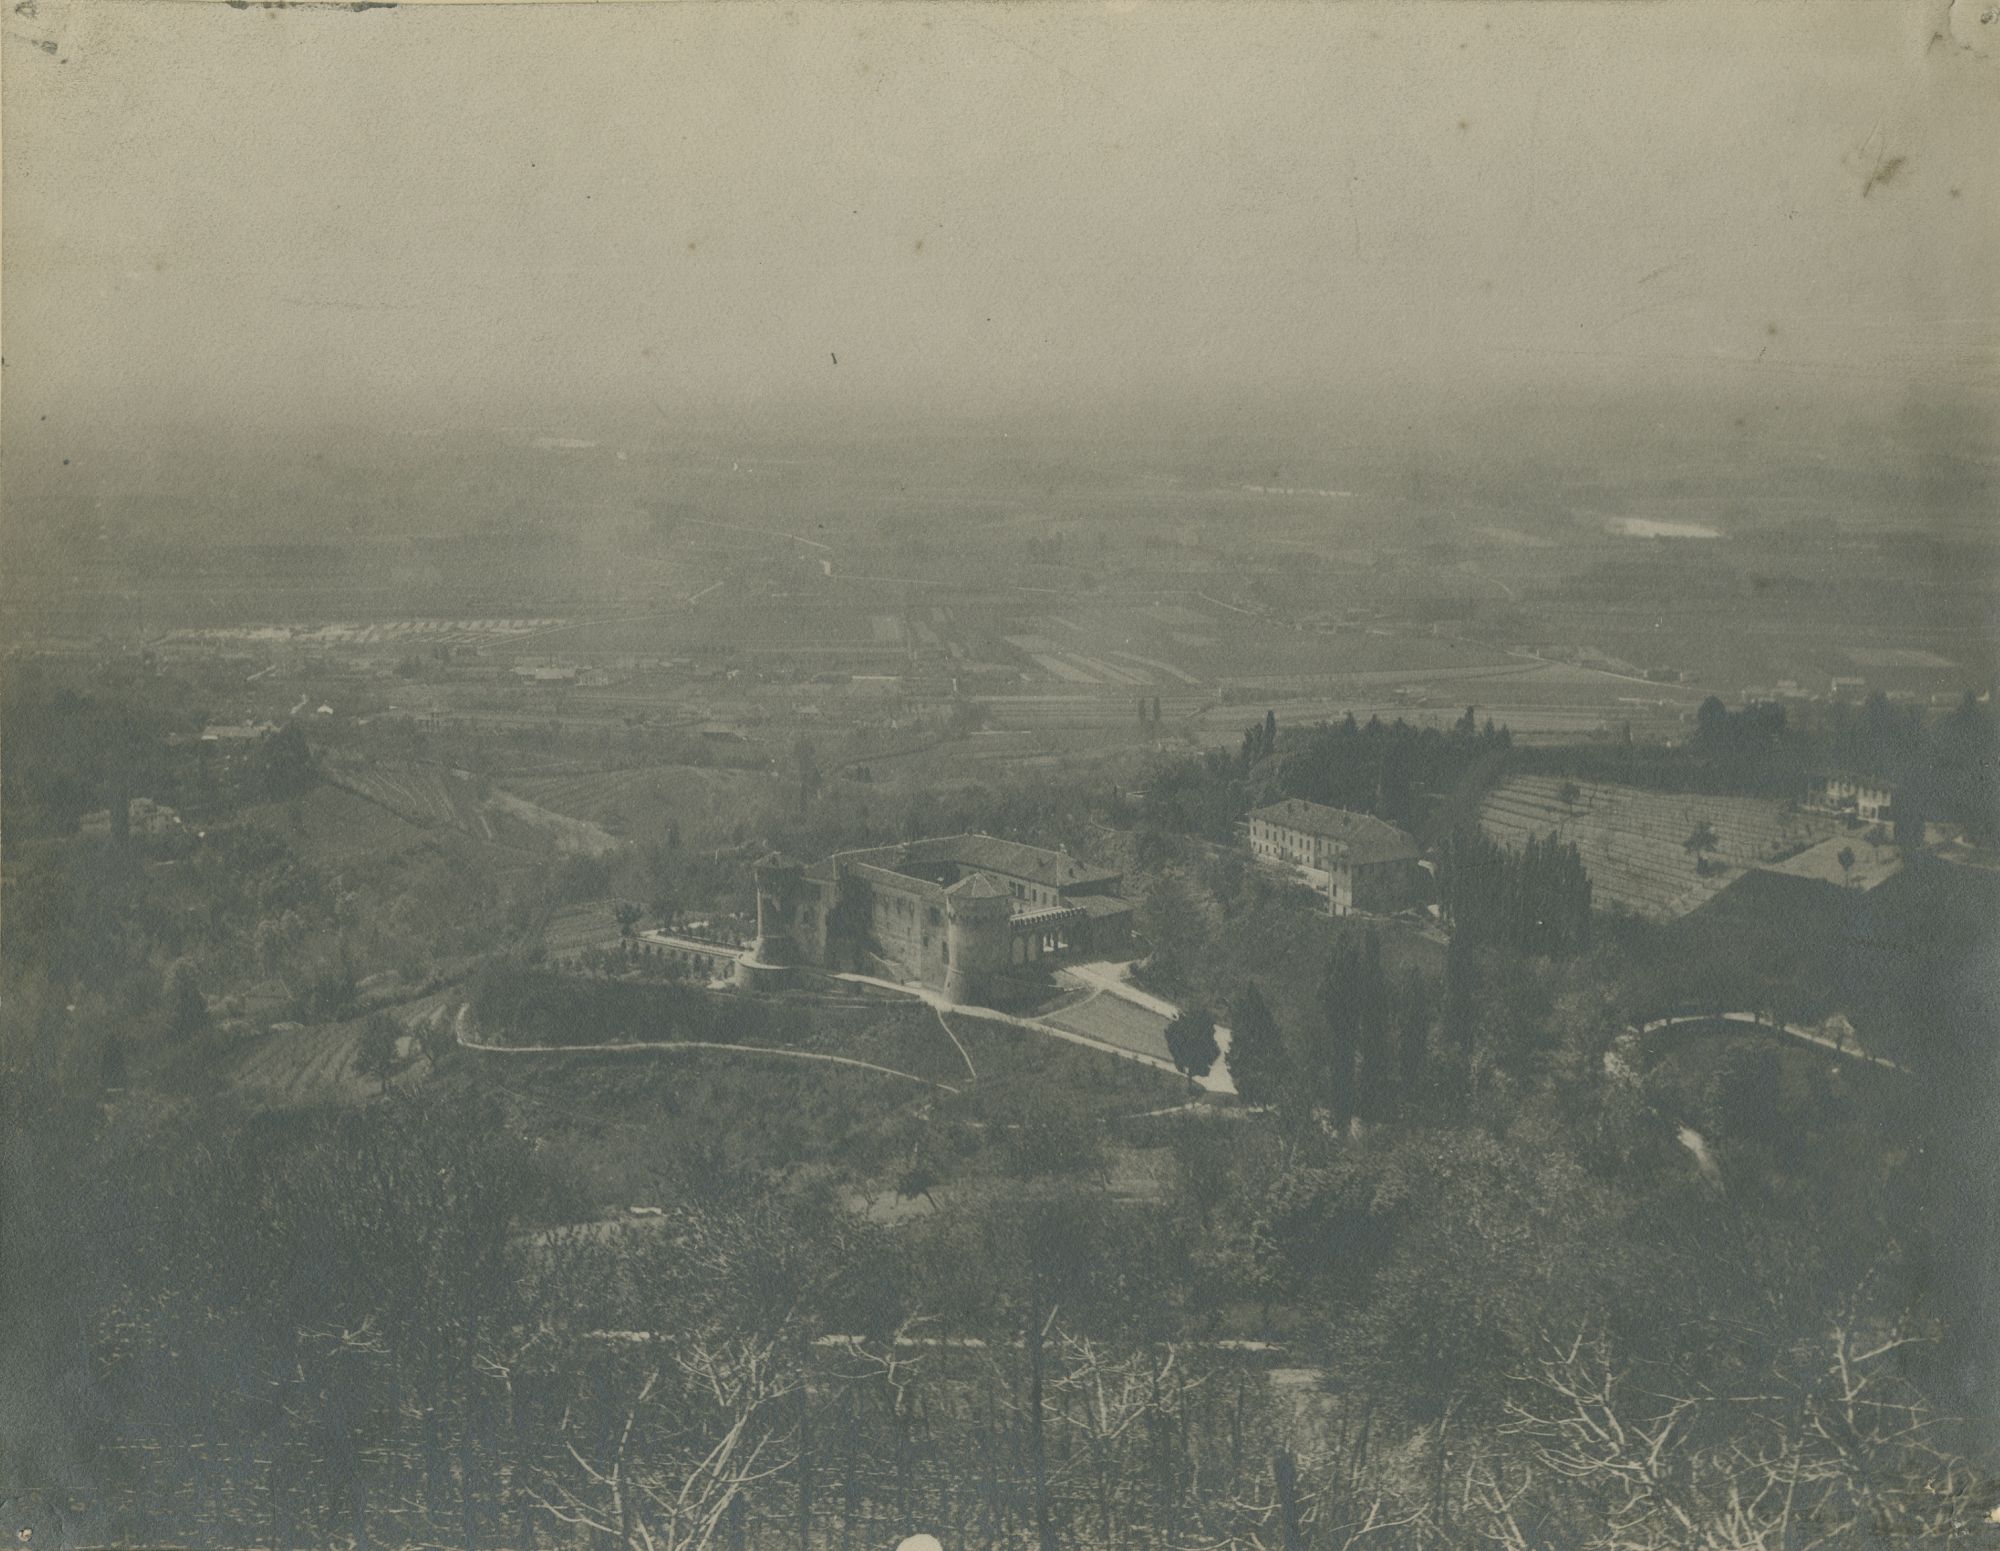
(952, 913)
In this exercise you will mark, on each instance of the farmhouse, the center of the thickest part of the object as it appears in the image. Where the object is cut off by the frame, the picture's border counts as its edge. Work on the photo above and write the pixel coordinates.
(143, 817)
(953, 913)
(1870, 801)
(243, 732)
(1366, 863)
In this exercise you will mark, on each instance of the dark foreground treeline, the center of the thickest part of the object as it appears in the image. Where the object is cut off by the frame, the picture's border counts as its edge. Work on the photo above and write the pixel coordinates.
(348, 1329)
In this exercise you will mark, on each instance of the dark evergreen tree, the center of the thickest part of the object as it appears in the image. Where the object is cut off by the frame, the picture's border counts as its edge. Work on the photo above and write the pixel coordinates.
(1461, 997)
(1256, 1059)
(1413, 1033)
(187, 1009)
(1339, 1053)
(285, 764)
(1192, 1044)
(1535, 901)
(1375, 1081)
(377, 1055)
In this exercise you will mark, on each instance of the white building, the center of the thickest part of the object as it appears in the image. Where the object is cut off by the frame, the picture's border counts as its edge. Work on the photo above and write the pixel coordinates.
(1363, 862)
(1873, 802)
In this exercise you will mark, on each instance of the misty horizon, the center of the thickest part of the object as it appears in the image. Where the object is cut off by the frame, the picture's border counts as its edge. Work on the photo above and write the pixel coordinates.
(879, 217)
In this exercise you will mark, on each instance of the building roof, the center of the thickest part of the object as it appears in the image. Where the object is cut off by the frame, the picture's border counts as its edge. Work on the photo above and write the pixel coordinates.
(1850, 778)
(977, 885)
(1031, 864)
(1872, 864)
(1365, 837)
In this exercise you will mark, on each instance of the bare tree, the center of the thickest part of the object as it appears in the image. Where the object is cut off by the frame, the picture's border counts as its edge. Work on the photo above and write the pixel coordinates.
(698, 1433)
(1598, 1454)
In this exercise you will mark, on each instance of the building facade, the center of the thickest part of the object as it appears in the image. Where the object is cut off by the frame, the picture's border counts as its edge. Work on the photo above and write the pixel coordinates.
(1873, 802)
(1364, 863)
(952, 913)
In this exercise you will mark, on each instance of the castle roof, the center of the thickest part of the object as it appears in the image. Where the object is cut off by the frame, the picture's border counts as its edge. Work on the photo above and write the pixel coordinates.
(1365, 837)
(977, 885)
(1010, 858)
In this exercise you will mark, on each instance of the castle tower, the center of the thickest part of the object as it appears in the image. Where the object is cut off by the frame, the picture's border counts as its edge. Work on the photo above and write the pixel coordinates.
(975, 914)
(774, 952)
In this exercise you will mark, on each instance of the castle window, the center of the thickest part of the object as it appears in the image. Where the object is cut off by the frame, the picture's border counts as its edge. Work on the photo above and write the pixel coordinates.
(934, 915)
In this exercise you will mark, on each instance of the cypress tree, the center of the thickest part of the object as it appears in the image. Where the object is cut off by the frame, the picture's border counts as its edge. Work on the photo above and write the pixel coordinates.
(1373, 1083)
(1461, 998)
(1256, 1057)
(1413, 1030)
(1336, 1002)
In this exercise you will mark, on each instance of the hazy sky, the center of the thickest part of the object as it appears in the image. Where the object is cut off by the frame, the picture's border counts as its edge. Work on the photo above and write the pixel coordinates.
(451, 215)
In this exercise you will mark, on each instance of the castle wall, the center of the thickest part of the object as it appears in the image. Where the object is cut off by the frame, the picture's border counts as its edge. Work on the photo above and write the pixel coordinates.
(879, 919)
(904, 922)
(979, 940)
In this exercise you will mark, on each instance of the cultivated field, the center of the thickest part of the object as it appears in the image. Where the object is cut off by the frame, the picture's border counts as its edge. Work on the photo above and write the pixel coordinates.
(434, 797)
(333, 827)
(377, 633)
(1634, 843)
(1116, 1022)
(298, 1068)
(639, 804)
(424, 794)
(592, 924)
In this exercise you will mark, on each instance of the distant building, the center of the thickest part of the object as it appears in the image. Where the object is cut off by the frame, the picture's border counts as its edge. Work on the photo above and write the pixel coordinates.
(143, 817)
(1848, 689)
(546, 673)
(1367, 864)
(952, 913)
(1873, 802)
(237, 732)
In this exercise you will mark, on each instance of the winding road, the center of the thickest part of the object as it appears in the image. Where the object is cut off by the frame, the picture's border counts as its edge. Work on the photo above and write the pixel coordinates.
(1757, 1020)
(463, 1022)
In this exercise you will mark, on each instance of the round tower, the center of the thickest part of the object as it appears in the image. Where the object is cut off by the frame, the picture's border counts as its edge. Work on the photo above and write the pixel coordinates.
(774, 952)
(975, 932)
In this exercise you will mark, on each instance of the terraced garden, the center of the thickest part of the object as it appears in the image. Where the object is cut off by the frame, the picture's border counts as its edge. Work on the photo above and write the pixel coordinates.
(1116, 1022)
(423, 794)
(302, 1067)
(639, 804)
(1634, 843)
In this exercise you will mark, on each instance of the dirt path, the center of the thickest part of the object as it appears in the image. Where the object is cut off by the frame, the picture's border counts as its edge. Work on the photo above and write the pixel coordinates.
(965, 1055)
(465, 1042)
(1752, 1020)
